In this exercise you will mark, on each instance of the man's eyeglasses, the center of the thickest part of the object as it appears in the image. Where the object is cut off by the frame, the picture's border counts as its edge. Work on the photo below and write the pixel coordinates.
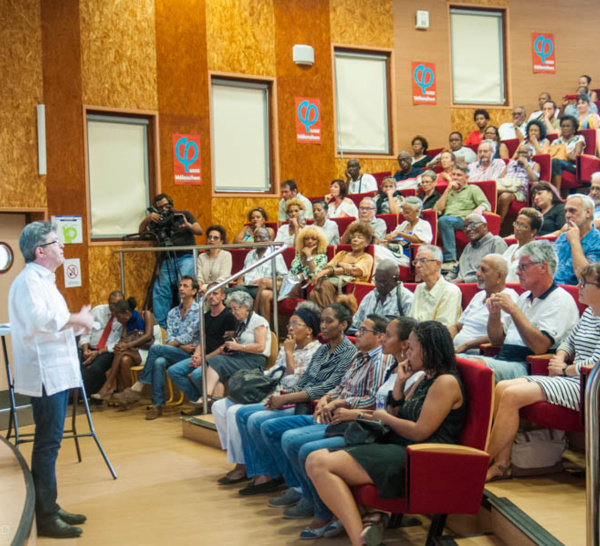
(366, 208)
(364, 330)
(55, 242)
(418, 261)
(472, 225)
(583, 283)
(525, 267)
(214, 237)
(295, 324)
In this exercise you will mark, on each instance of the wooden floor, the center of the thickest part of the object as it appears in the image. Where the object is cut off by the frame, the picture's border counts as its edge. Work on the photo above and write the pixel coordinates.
(12, 493)
(166, 491)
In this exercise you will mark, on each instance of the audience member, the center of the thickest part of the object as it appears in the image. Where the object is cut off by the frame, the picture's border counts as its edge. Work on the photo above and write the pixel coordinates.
(481, 118)
(513, 182)
(455, 141)
(414, 230)
(546, 199)
(526, 226)
(389, 298)
(287, 232)
(580, 244)
(420, 146)
(569, 105)
(325, 371)
(471, 329)
(293, 360)
(289, 190)
(562, 385)
(435, 298)
(481, 243)
(447, 162)
(344, 267)
(535, 135)
(486, 168)
(434, 411)
(537, 322)
(388, 200)
(366, 214)
(587, 119)
(565, 149)
(182, 339)
(219, 323)
(359, 183)
(257, 218)
(215, 264)
(595, 195)
(428, 194)
(329, 227)
(491, 133)
(550, 118)
(457, 202)
(408, 176)
(586, 81)
(339, 204)
(516, 127)
(538, 115)
(137, 332)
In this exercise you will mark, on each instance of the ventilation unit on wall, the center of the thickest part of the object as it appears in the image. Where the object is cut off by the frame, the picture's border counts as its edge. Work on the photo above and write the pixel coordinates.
(304, 55)
(422, 20)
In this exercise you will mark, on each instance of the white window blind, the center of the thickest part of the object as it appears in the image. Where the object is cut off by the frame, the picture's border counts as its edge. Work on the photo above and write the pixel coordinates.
(240, 136)
(118, 174)
(361, 93)
(477, 57)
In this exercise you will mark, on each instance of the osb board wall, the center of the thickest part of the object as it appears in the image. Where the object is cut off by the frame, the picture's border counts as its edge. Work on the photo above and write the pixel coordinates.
(20, 91)
(232, 213)
(118, 54)
(366, 166)
(462, 120)
(240, 36)
(105, 274)
(362, 23)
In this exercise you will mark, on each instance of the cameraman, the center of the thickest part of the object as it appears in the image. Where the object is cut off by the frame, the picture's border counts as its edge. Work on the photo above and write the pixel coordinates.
(171, 228)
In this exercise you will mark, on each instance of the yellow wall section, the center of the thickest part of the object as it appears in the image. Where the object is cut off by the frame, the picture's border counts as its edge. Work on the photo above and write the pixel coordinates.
(362, 23)
(118, 49)
(240, 36)
(21, 89)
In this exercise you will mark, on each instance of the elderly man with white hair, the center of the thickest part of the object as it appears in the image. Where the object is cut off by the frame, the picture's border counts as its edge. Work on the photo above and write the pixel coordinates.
(579, 245)
(538, 322)
(366, 214)
(486, 168)
(481, 243)
(595, 195)
(471, 329)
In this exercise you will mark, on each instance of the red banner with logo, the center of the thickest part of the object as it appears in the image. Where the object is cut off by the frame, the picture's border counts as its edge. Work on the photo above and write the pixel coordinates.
(187, 166)
(543, 53)
(423, 83)
(308, 120)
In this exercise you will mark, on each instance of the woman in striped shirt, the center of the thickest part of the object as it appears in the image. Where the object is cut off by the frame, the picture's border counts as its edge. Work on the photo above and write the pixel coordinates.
(562, 385)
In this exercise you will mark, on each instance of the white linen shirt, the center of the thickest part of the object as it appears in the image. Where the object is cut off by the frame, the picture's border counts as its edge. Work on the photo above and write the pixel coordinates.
(44, 354)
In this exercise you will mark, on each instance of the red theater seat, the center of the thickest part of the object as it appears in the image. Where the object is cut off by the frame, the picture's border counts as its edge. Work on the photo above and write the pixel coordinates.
(584, 163)
(446, 479)
(512, 144)
(358, 197)
(380, 176)
(468, 289)
(343, 223)
(238, 255)
(391, 221)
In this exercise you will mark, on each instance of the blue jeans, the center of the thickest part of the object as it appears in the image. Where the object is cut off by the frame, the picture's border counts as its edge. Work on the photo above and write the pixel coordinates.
(447, 225)
(49, 414)
(560, 165)
(162, 293)
(190, 386)
(256, 453)
(297, 445)
(160, 357)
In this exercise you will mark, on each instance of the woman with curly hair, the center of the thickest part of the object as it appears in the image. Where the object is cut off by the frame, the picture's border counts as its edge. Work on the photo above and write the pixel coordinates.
(257, 217)
(214, 265)
(294, 210)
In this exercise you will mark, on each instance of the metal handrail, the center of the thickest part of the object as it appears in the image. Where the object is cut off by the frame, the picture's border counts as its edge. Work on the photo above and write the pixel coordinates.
(592, 457)
(272, 257)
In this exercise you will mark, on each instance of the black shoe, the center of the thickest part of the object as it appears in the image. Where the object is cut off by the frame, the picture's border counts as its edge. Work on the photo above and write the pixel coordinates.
(71, 519)
(267, 487)
(226, 480)
(57, 528)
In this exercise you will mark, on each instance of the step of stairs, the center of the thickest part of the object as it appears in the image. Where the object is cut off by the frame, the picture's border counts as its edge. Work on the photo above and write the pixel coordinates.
(201, 429)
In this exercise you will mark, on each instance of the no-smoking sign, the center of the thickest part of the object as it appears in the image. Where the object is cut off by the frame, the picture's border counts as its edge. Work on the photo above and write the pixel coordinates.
(72, 270)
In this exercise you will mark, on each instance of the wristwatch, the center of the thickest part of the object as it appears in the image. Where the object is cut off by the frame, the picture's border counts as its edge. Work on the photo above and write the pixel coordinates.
(360, 415)
(311, 259)
(565, 370)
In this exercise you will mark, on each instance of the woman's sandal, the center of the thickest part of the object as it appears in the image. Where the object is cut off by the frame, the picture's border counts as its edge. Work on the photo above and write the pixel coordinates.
(373, 530)
(505, 474)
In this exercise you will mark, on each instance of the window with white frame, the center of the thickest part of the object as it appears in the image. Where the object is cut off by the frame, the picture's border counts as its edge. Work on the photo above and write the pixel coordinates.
(477, 39)
(118, 174)
(362, 102)
(241, 135)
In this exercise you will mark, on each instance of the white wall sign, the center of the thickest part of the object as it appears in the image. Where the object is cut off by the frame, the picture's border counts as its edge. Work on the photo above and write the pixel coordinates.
(72, 269)
(69, 229)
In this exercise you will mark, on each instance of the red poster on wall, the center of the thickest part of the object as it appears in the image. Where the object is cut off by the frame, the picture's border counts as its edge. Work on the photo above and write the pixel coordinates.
(423, 83)
(187, 167)
(308, 120)
(543, 53)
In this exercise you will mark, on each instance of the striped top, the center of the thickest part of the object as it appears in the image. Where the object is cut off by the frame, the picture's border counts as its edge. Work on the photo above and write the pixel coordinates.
(326, 369)
(583, 341)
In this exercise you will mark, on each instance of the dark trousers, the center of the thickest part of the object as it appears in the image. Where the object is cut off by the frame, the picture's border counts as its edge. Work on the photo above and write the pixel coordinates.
(94, 374)
(49, 414)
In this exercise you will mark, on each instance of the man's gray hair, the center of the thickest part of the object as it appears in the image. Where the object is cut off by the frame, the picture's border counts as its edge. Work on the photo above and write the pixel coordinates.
(371, 200)
(33, 236)
(480, 217)
(262, 229)
(499, 261)
(431, 175)
(242, 298)
(541, 251)
(414, 203)
(387, 266)
(491, 143)
(586, 201)
(595, 176)
(436, 251)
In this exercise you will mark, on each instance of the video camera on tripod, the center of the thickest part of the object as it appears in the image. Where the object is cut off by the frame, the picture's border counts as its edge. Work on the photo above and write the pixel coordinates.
(163, 230)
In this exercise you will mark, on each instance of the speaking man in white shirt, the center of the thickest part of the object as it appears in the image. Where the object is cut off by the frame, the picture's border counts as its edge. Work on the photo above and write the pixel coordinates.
(46, 365)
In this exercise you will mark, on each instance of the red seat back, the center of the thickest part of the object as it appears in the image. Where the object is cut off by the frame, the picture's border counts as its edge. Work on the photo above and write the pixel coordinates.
(431, 216)
(516, 287)
(488, 187)
(574, 292)
(380, 176)
(360, 290)
(238, 255)
(586, 167)
(343, 223)
(590, 141)
(545, 163)
(478, 381)
(391, 221)
(468, 289)
(409, 192)
(512, 144)
(330, 252)
(358, 197)
(288, 255)
(411, 285)
(434, 151)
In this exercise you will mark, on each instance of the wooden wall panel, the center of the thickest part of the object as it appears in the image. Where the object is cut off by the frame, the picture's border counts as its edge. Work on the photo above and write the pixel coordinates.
(118, 54)
(232, 213)
(362, 23)
(20, 91)
(241, 36)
